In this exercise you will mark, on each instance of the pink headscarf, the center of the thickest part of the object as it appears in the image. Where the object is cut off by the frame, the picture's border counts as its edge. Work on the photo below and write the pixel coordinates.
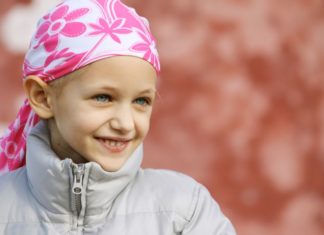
(70, 36)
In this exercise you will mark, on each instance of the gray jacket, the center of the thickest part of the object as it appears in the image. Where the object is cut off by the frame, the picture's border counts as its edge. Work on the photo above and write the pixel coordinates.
(53, 196)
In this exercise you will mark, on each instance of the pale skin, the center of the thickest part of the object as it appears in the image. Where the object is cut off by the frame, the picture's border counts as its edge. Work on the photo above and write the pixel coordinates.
(101, 113)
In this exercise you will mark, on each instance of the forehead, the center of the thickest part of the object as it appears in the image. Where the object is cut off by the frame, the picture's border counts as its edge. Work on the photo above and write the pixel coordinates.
(120, 71)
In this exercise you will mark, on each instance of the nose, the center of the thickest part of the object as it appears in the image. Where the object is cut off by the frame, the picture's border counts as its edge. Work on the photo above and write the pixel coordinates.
(122, 120)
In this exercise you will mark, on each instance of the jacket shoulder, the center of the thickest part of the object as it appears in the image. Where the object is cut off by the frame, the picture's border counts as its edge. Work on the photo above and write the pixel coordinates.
(198, 212)
(172, 181)
(15, 204)
(171, 191)
(12, 185)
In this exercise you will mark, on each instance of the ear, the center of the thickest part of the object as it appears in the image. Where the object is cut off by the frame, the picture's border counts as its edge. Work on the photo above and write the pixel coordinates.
(39, 96)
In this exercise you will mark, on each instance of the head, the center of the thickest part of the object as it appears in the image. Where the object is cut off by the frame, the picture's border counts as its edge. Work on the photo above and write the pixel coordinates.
(99, 113)
(90, 71)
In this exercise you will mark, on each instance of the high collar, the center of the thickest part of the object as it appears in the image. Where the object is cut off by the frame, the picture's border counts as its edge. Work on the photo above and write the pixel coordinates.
(50, 178)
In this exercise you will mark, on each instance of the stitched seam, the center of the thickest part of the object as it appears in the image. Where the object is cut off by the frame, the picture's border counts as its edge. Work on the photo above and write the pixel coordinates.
(144, 213)
(116, 216)
(194, 203)
(32, 222)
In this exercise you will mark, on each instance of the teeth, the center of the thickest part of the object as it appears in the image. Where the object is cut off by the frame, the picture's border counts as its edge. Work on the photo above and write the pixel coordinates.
(114, 143)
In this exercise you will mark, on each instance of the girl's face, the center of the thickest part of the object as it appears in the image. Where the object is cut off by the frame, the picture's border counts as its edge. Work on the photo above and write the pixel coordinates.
(102, 113)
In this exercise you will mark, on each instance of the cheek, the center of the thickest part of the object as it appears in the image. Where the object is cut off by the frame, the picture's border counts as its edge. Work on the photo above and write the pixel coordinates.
(73, 122)
(143, 123)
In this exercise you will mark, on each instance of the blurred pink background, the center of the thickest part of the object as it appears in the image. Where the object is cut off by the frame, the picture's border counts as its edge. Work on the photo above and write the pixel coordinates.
(241, 106)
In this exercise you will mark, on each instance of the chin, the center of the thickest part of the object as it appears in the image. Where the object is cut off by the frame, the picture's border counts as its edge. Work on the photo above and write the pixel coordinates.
(112, 166)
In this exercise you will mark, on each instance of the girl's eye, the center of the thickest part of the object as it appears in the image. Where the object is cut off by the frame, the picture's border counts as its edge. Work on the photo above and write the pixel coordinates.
(102, 98)
(143, 101)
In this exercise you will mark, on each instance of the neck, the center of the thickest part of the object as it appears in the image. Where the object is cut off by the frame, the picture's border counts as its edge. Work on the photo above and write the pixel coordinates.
(61, 148)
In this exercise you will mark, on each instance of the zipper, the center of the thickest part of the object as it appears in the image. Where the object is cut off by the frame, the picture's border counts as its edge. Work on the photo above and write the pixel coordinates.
(77, 187)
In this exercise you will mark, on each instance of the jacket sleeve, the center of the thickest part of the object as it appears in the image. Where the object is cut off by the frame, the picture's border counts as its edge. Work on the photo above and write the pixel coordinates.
(206, 217)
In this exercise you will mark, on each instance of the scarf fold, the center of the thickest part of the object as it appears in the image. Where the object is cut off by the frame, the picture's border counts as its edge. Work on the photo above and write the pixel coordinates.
(70, 36)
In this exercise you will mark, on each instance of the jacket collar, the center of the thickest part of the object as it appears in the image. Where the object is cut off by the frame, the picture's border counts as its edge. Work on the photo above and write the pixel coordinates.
(50, 178)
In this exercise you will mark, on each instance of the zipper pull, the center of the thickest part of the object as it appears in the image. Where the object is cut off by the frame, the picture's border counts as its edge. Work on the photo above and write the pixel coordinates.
(78, 172)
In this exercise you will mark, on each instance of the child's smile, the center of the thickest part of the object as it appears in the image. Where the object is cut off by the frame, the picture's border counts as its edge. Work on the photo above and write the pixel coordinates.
(102, 113)
(114, 145)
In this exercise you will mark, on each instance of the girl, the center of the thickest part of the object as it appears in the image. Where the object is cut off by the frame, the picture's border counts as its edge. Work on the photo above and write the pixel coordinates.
(74, 152)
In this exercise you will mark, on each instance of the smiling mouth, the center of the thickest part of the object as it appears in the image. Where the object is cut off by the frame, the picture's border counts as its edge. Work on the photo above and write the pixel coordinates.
(114, 146)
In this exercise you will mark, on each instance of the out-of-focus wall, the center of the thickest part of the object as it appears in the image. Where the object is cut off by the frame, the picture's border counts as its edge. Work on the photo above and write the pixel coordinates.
(241, 105)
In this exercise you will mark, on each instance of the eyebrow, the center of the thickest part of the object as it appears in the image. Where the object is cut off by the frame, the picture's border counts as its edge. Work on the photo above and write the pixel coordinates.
(114, 89)
(148, 91)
